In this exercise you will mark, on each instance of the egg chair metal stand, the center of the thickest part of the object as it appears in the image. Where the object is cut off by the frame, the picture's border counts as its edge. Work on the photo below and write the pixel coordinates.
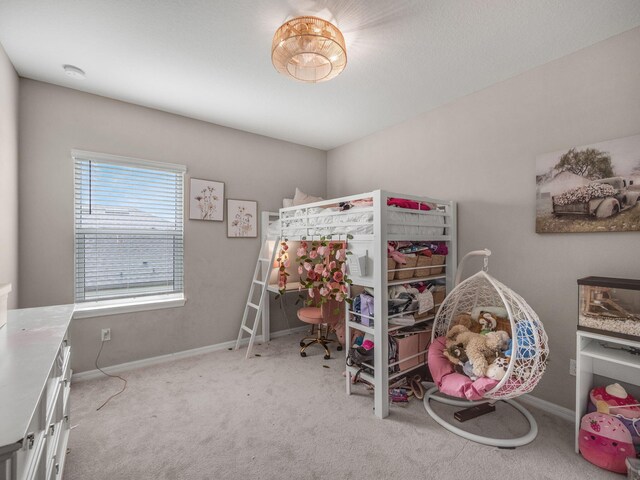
(528, 355)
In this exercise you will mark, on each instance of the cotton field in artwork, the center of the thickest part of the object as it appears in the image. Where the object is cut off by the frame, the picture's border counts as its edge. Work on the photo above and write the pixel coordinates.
(206, 200)
(242, 218)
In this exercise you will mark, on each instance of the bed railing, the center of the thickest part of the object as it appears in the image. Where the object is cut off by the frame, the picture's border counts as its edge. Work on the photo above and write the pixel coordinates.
(317, 219)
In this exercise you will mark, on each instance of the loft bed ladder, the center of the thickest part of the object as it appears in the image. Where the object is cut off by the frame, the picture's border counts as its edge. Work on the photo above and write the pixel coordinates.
(260, 282)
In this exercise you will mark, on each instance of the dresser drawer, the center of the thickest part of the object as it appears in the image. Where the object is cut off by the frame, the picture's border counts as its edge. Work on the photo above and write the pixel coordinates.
(37, 465)
(34, 393)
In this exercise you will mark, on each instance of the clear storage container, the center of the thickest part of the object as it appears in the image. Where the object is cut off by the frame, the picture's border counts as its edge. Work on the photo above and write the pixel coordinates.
(610, 306)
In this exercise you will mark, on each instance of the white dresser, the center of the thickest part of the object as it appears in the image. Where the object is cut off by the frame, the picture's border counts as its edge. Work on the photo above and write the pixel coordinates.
(35, 382)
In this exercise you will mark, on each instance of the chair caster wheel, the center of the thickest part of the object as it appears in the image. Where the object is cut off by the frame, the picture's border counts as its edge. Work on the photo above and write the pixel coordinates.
(327, 357)
(303, 354)
(339, 348)
(302, 344)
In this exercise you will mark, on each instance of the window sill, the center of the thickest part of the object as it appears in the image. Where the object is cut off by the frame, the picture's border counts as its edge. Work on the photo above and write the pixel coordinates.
(116, 307)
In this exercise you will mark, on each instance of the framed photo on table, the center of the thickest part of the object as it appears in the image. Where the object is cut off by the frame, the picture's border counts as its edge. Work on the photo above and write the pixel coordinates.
(206, 200)
(242, 218)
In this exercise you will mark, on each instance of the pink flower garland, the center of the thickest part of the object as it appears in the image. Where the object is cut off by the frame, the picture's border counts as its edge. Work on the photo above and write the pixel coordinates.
(283, 263)
(322, 268)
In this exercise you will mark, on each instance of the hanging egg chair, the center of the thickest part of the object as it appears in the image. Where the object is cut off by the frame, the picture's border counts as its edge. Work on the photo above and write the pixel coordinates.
(523, 364)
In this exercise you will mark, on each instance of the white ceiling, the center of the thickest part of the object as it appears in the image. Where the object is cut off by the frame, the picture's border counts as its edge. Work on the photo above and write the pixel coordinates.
(210, 59)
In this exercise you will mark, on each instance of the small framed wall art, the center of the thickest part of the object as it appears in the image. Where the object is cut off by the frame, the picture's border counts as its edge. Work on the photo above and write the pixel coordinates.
(206, 200)
(242, 218)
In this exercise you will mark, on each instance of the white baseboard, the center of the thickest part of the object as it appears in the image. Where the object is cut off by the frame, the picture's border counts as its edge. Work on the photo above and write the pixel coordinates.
(552, 408)
(145, 362)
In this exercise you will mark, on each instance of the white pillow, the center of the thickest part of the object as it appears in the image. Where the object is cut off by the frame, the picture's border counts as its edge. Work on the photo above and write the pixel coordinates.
(287, 202)
(301, 198)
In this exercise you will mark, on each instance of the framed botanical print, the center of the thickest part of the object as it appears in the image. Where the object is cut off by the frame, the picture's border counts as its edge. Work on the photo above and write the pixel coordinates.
(206, 200)
(242, 218)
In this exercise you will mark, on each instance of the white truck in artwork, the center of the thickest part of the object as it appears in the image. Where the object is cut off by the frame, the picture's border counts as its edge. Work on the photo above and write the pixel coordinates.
(600, 198)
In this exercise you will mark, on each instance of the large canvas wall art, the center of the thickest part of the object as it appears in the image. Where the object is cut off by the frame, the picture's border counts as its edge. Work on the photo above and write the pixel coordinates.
(591, 188)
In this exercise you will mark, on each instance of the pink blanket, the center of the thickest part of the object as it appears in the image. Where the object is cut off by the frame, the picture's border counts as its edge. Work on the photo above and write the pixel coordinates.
(449, 381)
(404, 203)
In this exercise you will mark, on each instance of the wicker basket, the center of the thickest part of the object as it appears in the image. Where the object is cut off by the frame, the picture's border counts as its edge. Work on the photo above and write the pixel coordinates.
(405, 274)
(439, 293)
(437, 260)
(423, 261)
(391, 265)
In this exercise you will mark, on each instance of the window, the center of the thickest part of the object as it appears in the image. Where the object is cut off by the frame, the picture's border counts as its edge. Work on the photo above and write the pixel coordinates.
(128, 230)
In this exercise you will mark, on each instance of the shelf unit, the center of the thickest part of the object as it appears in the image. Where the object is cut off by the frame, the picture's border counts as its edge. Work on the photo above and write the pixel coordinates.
(369, 242)
(592, 358)
(378, 280)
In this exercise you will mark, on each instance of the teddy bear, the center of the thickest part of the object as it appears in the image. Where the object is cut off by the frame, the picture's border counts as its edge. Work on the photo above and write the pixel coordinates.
(481, 349)
(503, 338)
(491, 318)
(456, 354)
(498, 368)
(466, 320)
(488, 322)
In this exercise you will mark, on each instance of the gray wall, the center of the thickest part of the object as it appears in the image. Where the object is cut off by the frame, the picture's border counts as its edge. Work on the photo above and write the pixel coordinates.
(53, 120)
(480, 151)
(9, 176)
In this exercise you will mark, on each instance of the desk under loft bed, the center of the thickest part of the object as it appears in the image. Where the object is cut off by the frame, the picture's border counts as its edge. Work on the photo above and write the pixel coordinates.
(367, 230)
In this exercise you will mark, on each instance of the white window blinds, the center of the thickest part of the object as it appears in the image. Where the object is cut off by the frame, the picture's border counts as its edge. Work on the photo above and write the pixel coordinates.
(128, 227)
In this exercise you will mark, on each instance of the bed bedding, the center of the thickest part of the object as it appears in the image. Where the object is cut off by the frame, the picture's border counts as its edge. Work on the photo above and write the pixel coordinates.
(356, 221)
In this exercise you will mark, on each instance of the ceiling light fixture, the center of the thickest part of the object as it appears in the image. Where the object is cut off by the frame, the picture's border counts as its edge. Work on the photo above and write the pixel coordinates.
(74, 72)
(309, 49)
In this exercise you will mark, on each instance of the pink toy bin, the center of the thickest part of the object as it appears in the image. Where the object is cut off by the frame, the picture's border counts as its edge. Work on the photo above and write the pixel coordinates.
(605, 442)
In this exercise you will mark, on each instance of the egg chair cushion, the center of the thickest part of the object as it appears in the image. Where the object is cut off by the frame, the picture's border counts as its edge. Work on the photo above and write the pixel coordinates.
(451, 382)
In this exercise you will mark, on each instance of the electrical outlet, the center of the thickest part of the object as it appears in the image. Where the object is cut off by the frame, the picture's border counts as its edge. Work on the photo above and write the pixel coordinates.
(106, 335)
(572, 367)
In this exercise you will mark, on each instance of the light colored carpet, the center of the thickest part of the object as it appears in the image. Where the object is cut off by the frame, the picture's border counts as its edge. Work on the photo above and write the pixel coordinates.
(217, 416)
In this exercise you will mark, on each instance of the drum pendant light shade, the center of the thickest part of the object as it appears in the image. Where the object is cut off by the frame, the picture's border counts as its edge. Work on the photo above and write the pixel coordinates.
(309, 49)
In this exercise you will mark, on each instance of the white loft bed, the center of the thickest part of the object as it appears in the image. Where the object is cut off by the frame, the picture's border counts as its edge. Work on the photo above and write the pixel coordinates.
(371, 228)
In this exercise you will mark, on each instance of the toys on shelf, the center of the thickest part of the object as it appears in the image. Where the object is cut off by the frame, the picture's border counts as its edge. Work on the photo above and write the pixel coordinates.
(614, 400)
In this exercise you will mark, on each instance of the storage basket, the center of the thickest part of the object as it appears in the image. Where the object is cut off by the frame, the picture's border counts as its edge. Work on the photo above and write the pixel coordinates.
(439, 293)
(391, 265)
(411, 345)
(437, 260)
(405, 274)
(423, 261)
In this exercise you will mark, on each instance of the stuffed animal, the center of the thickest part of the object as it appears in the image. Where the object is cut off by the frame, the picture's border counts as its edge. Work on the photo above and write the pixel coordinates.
(498, 368)
(456, 354)
(481, 349)
(493, 318)
(465, 320)
(526, 339)
(499, 312)
(488, 322)
(502, 338)
(605, 442)
(509, 350)
(522, 370)
(467, 369)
